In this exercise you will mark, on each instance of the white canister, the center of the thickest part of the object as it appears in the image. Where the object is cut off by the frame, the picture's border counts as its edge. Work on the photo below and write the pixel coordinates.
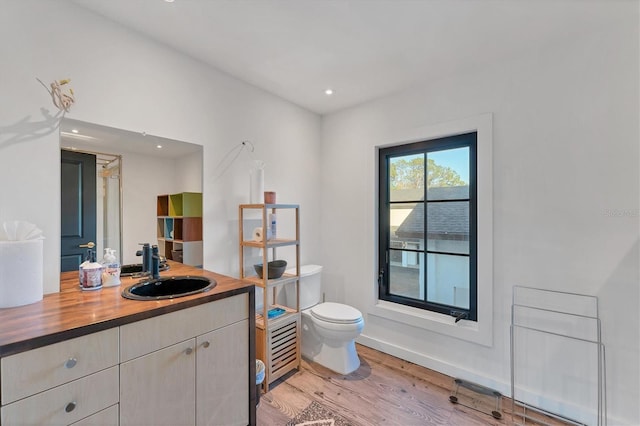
(256, 189)
(21, 272)
(92, 276)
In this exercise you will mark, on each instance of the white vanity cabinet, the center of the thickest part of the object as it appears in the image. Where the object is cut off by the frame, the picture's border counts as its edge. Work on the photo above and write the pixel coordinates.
(175, 366)
(61, 383)
(188, 367)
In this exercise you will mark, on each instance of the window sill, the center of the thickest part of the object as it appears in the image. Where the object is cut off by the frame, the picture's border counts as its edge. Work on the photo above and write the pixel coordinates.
(470, 331)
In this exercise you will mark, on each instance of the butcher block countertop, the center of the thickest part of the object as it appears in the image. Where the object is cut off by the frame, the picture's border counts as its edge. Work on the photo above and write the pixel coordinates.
(73, 312)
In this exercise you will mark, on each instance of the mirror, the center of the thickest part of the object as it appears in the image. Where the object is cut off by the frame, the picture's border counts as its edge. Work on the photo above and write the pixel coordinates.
(91, 204)
(131, 170)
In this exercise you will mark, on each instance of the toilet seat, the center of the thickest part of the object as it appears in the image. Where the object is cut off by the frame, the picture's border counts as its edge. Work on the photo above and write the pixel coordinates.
(336, 313)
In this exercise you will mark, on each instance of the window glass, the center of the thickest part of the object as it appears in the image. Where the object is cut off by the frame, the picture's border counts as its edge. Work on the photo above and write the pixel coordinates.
(406, 275)
(406, 222)
(427, 219)
(448, 278)
(448, 226)
(448, 174)
(406, 178)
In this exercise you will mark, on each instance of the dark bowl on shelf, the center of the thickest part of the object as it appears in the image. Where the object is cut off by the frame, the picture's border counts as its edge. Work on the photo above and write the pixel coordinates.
(275, 269)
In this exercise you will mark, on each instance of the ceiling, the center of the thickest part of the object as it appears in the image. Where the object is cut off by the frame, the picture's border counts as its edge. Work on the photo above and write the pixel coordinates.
(362, 49)
(94, 138)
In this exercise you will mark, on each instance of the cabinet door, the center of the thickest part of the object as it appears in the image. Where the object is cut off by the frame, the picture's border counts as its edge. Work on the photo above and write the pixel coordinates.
(159, 388)
(223, 376)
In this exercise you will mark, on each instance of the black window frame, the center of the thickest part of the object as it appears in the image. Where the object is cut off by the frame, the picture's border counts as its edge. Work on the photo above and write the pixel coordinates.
(469, 140)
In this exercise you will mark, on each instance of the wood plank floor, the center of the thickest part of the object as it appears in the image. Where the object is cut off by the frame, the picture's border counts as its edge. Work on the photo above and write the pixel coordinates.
(384, 391)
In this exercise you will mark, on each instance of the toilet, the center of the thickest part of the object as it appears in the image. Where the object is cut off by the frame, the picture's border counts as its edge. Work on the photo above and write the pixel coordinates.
(329, 329)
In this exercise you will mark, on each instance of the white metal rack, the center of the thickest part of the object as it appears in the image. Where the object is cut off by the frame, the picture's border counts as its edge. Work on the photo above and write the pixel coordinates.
(569, 317)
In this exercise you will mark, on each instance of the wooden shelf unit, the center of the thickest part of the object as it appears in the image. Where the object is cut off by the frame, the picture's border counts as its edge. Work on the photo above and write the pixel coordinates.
(179, 227)
(278, 338)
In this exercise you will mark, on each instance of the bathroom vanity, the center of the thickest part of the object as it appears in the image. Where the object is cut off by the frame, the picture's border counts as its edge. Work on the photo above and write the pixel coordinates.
(96, 358)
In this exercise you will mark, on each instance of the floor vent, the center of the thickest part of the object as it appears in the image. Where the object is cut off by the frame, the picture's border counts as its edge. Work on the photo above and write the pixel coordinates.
(478, 397)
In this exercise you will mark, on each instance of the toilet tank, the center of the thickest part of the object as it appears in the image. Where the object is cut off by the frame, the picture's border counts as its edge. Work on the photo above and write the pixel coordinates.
(310, 286)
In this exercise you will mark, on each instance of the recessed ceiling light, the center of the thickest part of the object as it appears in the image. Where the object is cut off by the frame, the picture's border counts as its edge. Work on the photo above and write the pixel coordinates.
(159, 146)
(328, 92)
(74, 130)
(169, 1)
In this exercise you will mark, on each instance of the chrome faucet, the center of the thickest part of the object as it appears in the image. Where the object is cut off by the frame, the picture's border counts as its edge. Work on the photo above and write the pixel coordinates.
(151, 260)
(147, 254)
(155, 263)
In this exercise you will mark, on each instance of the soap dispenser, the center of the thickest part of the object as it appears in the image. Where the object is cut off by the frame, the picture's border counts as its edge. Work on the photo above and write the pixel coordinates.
(105, 258)
(87, 260)
(111, 271)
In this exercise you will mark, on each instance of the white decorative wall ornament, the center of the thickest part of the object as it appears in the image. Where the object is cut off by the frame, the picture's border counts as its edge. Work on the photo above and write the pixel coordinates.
(61, 99)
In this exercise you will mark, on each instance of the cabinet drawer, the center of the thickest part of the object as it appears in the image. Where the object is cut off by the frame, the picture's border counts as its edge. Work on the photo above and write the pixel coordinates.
(146, 336)
(106, 417)
(67, 403)
(40, 369)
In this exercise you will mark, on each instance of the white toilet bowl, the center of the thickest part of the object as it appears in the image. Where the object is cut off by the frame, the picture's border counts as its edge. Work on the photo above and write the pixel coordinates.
(329, 331)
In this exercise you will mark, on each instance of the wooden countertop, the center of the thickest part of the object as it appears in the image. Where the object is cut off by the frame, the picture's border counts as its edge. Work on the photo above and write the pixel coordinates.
(73, 312)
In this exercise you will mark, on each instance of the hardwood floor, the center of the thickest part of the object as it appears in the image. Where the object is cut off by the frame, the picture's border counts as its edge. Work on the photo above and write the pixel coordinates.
(384, 391)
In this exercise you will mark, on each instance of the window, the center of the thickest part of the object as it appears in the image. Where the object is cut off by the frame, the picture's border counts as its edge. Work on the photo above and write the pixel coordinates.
(427, 219)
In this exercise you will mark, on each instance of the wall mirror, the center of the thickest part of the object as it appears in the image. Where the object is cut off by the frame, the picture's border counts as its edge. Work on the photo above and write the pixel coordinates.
(110, 181)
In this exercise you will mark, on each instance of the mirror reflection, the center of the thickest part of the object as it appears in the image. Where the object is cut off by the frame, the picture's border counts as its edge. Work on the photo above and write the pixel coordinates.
(91, 201)
(110, 183)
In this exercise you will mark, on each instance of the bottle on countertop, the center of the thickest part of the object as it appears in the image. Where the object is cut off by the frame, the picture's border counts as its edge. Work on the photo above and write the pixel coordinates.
(106, 256)
(87, 260)
(111, 268)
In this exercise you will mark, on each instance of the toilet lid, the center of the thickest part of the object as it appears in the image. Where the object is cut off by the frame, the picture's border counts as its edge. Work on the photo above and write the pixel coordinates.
(336, 313)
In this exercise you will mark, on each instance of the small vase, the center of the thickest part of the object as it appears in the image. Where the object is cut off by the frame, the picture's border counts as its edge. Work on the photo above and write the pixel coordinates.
(256, 189)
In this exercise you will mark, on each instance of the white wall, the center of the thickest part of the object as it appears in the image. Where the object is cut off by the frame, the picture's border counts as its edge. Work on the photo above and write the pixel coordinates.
(143, 179)
(189, 173)
(124, 81)
(566, 205)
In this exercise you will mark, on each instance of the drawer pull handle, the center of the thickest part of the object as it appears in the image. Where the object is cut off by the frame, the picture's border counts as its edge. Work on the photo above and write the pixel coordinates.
(206, 344)
(70, 407)
(71, 362)
(188, 351)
